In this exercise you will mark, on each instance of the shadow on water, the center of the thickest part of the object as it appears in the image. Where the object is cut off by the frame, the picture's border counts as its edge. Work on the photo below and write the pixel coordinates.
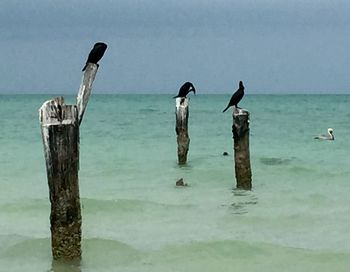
(184, 167)
(242, 201)
(65, 266)
(275, 161)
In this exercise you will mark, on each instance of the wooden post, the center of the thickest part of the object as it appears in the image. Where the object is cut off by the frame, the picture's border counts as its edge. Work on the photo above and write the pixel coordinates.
(183, 141)
(240, 130)
(60, 133)
(85, 89)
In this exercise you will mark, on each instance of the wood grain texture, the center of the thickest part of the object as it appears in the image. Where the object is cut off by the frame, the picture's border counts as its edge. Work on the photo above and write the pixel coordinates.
(183, 140)
(240, 131)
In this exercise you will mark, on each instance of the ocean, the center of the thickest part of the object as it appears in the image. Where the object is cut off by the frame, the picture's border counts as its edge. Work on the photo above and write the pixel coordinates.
(134, 218)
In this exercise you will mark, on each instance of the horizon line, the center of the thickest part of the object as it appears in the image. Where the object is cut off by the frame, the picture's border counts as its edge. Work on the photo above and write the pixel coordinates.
(171, 93)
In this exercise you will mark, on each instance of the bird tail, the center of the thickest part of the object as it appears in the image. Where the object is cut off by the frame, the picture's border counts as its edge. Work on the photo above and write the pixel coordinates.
(176, 96)
(226, 108)
(84, 67)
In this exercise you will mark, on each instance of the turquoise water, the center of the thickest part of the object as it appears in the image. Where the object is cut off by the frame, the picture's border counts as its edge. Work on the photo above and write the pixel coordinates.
(296, 218)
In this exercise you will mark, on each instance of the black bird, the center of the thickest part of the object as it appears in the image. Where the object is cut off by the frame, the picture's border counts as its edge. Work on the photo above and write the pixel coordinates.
(236, 97)
(96, 53)
(185, 89)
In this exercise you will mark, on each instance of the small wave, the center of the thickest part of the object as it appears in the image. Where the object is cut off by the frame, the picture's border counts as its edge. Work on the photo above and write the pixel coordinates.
(96, 253)
(104, 251)
(26, 205)
(243, 199)
(245, 256)
(215, 255)
(147, 110)
(125, 205)
(28, 248)
(274, 161)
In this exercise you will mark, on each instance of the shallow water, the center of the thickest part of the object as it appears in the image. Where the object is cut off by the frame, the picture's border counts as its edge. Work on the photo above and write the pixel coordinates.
(134, 217)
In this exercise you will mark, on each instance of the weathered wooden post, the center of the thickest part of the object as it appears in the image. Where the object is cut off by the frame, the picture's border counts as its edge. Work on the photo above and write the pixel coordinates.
(85, 89)
(60, 133)
(183, 140)
(240, 130)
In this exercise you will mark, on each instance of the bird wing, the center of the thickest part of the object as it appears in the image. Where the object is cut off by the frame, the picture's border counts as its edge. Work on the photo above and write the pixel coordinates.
(236, 97)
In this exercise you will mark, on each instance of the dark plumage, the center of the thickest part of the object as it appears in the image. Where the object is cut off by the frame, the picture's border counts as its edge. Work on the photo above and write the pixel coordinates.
(96, 53)
(185, 89)
(236, 97)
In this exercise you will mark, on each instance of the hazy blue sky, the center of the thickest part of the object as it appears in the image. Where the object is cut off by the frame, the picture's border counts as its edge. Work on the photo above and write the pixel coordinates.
(154, 46)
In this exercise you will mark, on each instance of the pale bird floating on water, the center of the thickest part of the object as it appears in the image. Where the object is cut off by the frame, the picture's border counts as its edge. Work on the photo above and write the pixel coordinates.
(329, 137)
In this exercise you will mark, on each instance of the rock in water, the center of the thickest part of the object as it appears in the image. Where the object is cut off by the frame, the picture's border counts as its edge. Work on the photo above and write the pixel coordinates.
(181, 182)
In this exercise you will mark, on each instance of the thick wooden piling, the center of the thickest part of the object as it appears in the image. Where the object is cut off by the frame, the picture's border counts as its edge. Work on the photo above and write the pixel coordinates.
(183, 140)
(240, 130)
(60, 134)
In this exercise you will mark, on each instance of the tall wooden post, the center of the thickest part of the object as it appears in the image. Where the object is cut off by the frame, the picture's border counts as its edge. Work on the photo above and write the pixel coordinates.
(240, 130)
(183, 140)
(60, 133)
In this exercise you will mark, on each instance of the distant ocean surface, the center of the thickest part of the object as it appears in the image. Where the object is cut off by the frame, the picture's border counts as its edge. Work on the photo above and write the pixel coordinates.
(296, 218)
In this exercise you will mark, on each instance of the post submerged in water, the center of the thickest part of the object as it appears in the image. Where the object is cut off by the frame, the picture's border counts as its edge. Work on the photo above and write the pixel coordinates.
(183, 140)
(60, 134)
(240, 130)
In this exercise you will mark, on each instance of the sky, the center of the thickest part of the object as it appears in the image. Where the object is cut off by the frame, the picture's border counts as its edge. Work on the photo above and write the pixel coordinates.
(154, 46)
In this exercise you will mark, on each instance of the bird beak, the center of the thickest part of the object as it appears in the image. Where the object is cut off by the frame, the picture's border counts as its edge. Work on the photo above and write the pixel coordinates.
(194, 90)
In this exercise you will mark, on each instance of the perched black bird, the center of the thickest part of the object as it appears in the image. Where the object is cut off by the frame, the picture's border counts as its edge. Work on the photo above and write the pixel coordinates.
(236, 97)
(96, 53)
(185, 89)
